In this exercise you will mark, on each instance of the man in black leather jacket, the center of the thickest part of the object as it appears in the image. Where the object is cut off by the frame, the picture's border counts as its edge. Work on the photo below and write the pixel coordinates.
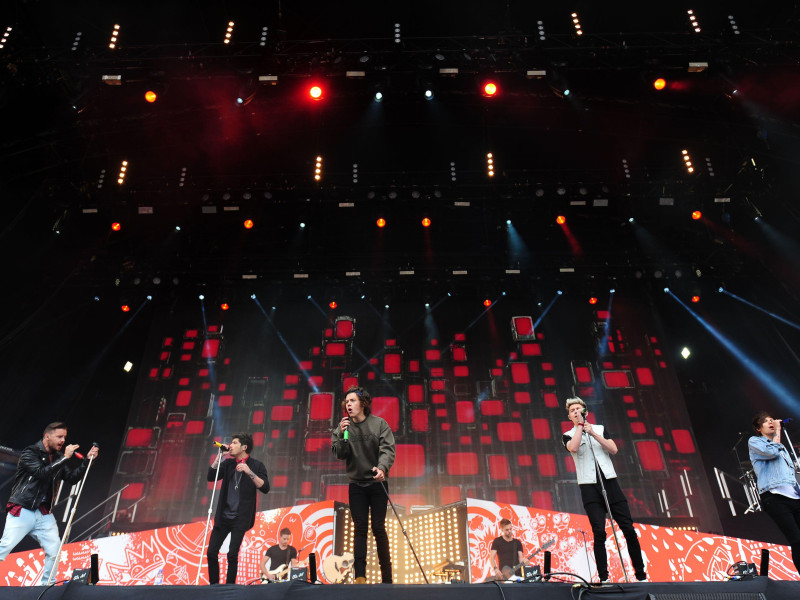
(39, 469)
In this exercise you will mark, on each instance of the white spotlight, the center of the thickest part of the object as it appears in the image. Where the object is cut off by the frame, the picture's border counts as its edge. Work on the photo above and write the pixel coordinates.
(128, 366)
(428, 95)
(252, 296)
(202, 297)
(685, 353)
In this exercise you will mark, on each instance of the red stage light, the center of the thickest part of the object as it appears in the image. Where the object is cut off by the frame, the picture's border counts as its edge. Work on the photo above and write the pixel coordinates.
(116, 226)
(695, 299)
(592, 300)
(696, 214)
(125, 308)
(426, 222)
(489, 88)
(224, 306)
(660, 83)
(487, 303)
(333, 305)
(248, 224)
(561, 219)
(381, 222)
(315, 92)
(150, 96)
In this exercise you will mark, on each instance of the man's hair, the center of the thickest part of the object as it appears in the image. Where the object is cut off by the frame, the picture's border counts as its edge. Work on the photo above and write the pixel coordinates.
(504, 522)
(363, 395)
(285, 531)
(53, 426)
(575, 400)
(759, 419)
(245, 439)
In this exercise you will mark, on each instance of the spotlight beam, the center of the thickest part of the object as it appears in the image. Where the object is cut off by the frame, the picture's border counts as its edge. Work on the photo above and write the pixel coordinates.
(544, 312)
(603, 346)
(763, 310)
(758, 371)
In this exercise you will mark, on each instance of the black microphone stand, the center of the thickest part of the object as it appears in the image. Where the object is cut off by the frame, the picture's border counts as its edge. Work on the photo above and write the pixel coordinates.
(599, 474)
(403, 529)
(208, 519)
(791, 447)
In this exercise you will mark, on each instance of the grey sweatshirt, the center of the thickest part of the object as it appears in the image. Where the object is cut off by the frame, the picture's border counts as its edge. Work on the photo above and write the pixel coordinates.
(371, 444)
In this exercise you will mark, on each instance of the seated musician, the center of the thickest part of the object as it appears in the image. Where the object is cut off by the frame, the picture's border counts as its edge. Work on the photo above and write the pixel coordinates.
(278, 559)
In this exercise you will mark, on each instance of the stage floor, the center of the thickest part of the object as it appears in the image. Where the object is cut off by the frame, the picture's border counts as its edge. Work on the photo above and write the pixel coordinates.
(733, 590)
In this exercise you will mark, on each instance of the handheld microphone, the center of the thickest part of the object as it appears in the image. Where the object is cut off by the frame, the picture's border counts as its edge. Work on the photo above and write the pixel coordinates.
(223, 446)
(346, 434)
(80, 456)
(785, 421)
(584, 412)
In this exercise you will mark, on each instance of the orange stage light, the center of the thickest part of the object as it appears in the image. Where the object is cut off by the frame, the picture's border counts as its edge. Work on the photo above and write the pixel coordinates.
(489, 88)
(426, 222)
(248, 224)
(695, 299)
(487, 303)
(561, 219)
(116, 226)
(125, 308)
(592, 300)
(315, 92)
(696, 214)
(224, 306)
(660, 83)
(150, 96)
(333, 305)
(381, 222)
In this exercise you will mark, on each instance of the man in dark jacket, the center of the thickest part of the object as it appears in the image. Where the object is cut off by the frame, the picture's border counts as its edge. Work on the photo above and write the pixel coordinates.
(29, 507)
(236, 510)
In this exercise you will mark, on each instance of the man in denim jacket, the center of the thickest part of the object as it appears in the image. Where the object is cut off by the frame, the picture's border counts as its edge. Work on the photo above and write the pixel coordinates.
(777, 484)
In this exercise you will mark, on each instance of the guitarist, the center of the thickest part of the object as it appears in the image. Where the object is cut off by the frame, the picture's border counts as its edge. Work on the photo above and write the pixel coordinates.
(506, 551)
(281, 557)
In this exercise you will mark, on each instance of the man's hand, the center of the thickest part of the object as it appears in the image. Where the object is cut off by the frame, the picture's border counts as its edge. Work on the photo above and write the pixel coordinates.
(244, 468)
(344, 424)
(587, 428)
(70, 450)
(379, 474)
(93, 452)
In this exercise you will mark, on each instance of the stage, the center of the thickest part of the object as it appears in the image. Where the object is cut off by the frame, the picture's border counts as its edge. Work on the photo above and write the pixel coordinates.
(758, 587)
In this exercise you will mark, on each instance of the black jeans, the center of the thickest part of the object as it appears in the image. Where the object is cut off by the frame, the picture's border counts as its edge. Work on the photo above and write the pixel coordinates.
(364, 499)
(595, 507)
(786, 514)
(218, 535)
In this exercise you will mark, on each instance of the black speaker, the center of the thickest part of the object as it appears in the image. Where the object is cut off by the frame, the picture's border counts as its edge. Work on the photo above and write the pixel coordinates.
(300, 573)
(94, 568)
(547, 558)
(312, 568)
(764, 571)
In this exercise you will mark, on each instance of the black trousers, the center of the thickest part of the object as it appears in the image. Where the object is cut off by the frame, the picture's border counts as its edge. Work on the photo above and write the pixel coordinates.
(218, 534)
(363, 500)
(786, 514)
(595, 507)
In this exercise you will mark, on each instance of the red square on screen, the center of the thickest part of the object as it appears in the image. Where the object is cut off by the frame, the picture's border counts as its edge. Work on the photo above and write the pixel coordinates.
(335, 348)
(290, 394)
(291, 380)
(321, 407)
(462, 463)
(617, 379)
(659, 431)
(465, 411)
(437, 371)
(638, 427)
(522, 326)
(492, 408)
(306, 365)
(416, 393)
(392, 363)
(387, 408)
(569, 463)
(167, 342)
(344, 328)
(583, 374)
(650, 455)
(317, 443)
(627, 399)
(522, 397)
(328, 333)
(338, 493)
(187, 346)
(460, 337)
(446, 427)
(437, 384)
(222, 387)
(541, 429)
(441, 413)
(226, 400)
(154, 373)
(433, 354)
(437, 398)
(390, 343)
(465, 440)
(525, 460)
(683, 441)
(258, 417)
(206, 385)
(633, 414)
(413, 366)
(550, 381)
(305, 488)
(419, 419)
(547, 366)
(506, 496)
(410, 461)
(184, 398)
(140, 437)
(498, 467)
(163, 356)
(459, 354)
(195, 427)
(496, 372)
(434, 342)
(461, 371)
(602, 314)
(282, 412)
(645, 376)
(519, 373)
(186, 357)
(133, 491)
(547, 465)
(509, 432)
(210, 348)
(279, 481)
(531, 349)
(550, 399)
(315, 381)
(202, 372)
(543, 500)
(349, 381)
(450, 494)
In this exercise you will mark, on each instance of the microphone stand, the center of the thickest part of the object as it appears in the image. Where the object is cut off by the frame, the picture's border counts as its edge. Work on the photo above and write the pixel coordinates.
(208, 519)
(403, 529)
(791, 449)
(68, 528)
(599, 474)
